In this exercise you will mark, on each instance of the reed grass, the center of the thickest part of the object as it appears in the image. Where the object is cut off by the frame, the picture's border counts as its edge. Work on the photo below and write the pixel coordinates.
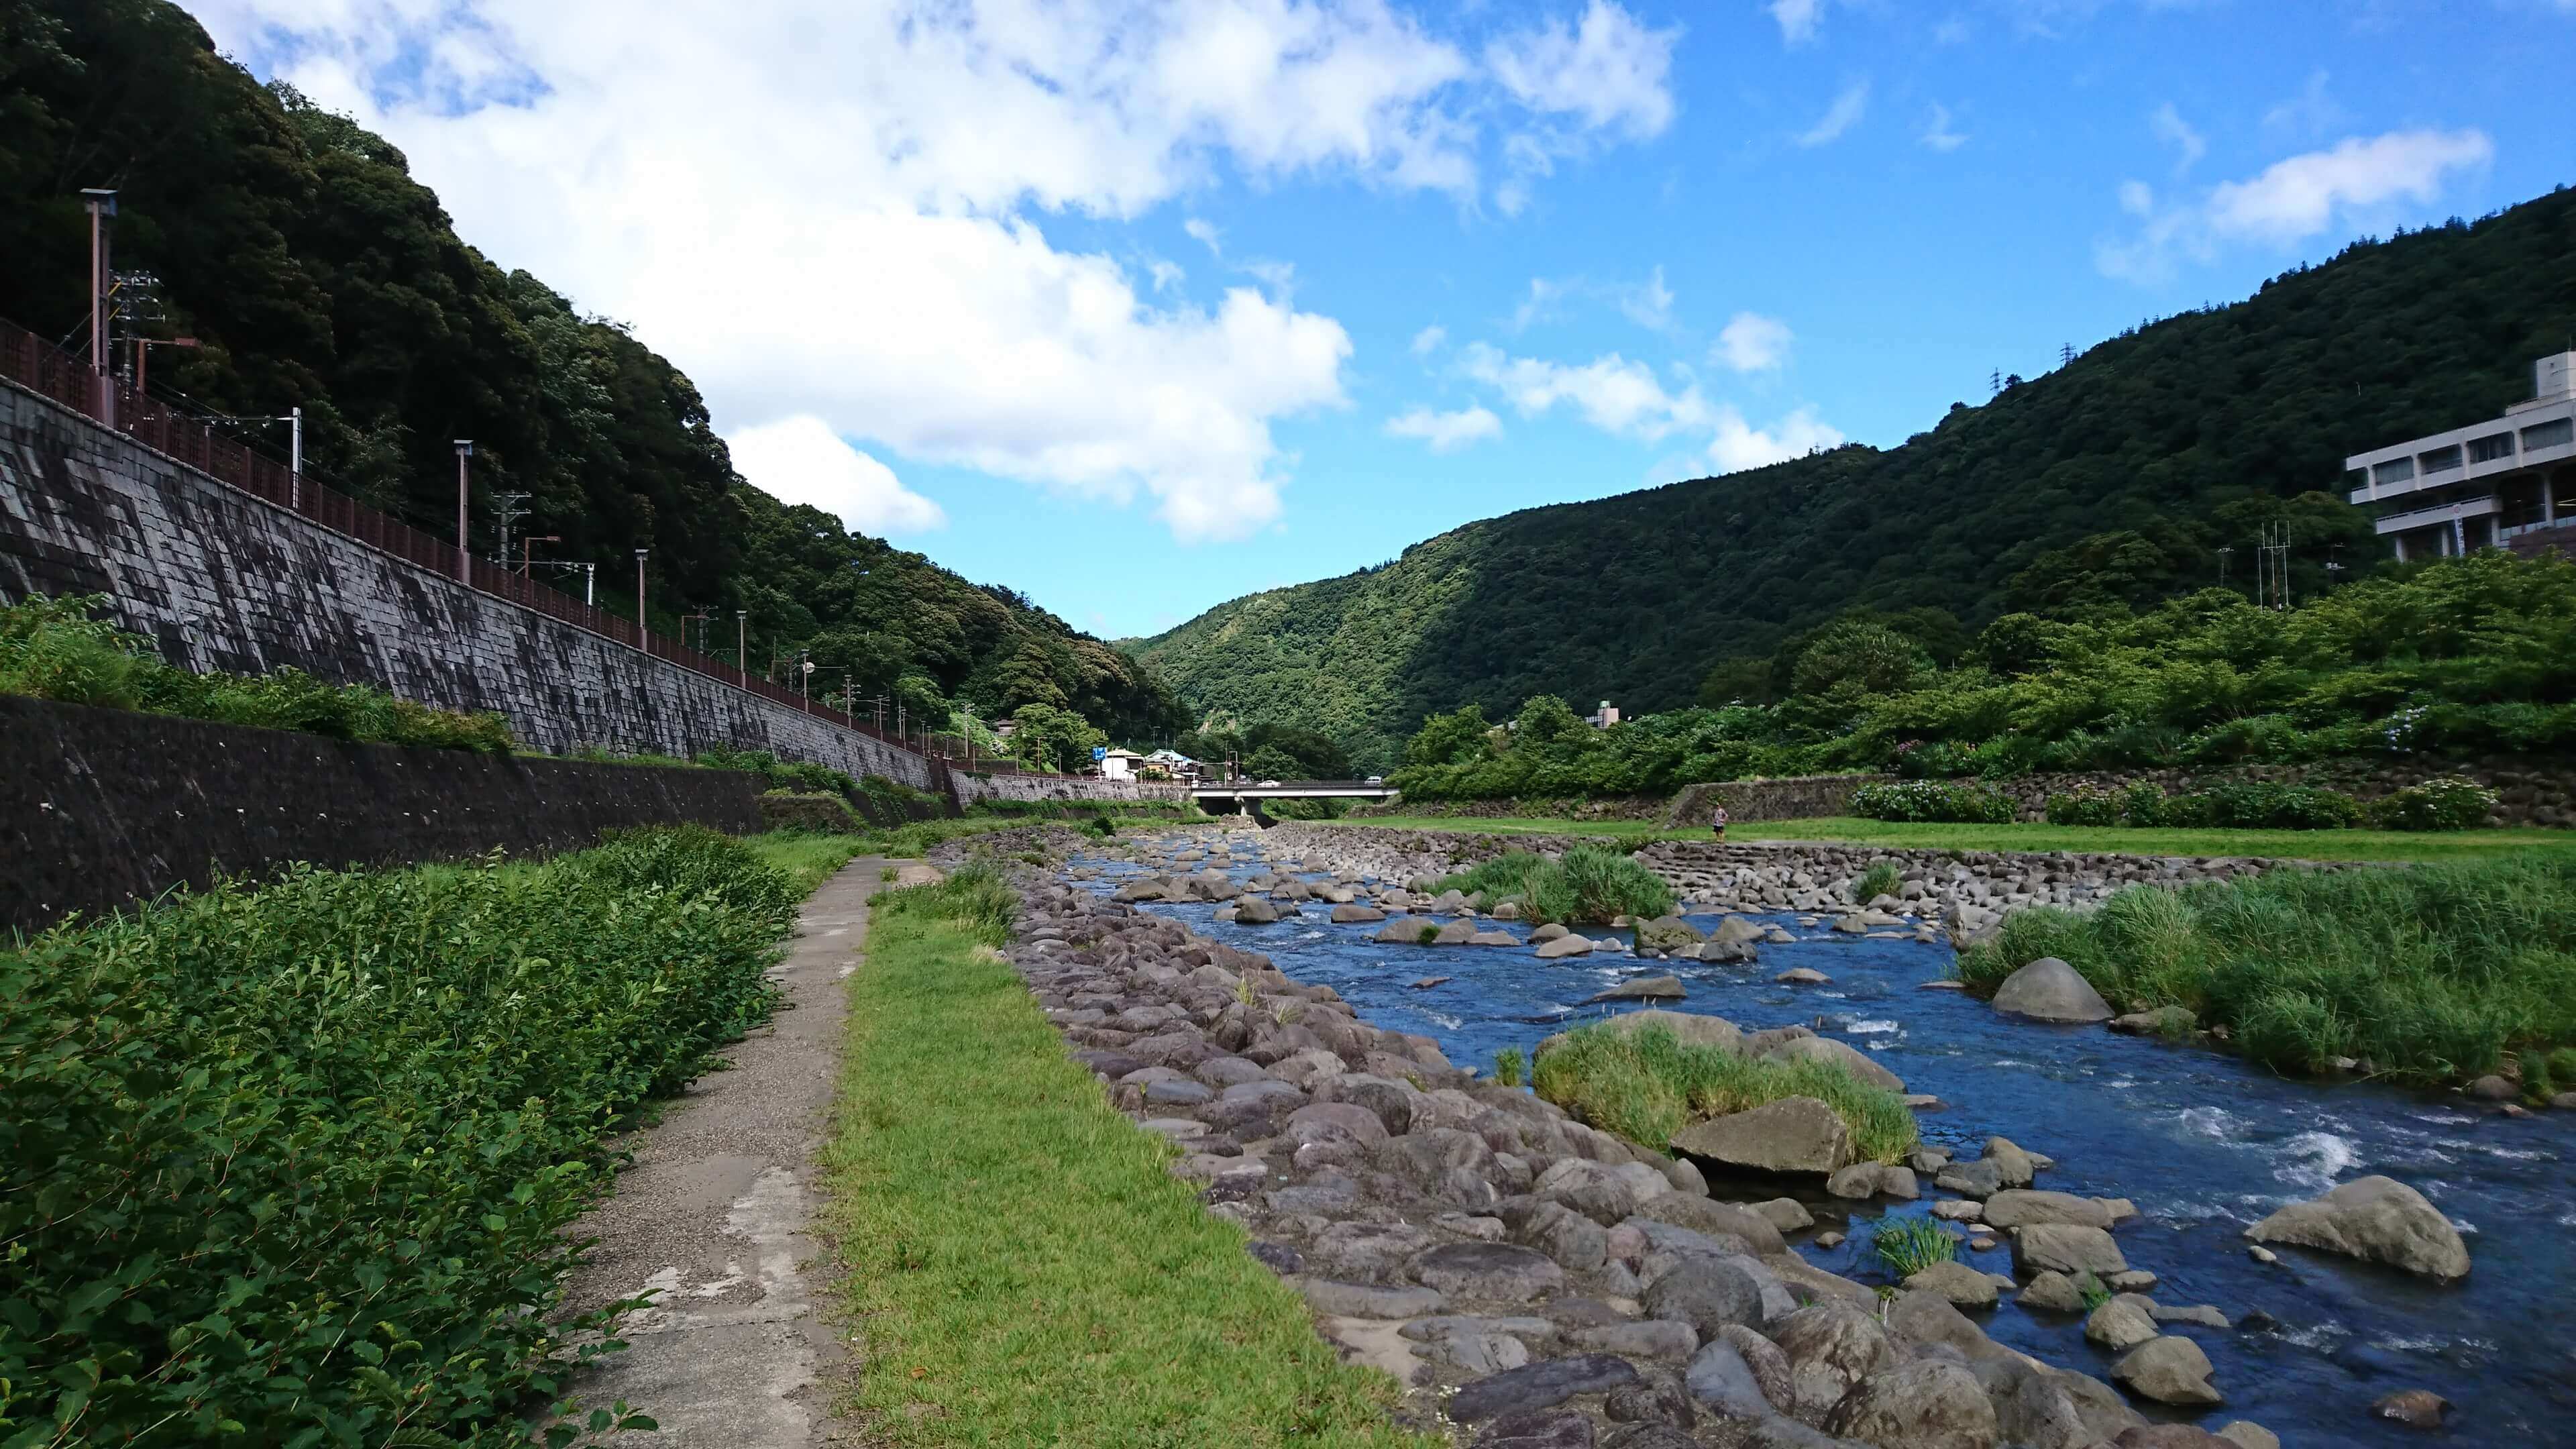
(1647, 1085)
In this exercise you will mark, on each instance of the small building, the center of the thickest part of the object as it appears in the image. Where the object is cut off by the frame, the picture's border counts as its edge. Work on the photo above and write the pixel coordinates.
(2508, 482)
(1119, 764)
(1175, 765)
(1604, 717)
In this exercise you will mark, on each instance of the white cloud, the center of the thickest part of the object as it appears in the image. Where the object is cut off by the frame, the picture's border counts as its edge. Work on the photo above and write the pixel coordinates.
(1610, 392)
(1739, 445)
(1798, 19)
(1607, 69)
(1848, 107)
(1446, 432)
(897, 159)
(2189, 145)
(1649, 304)
(1937, 132)
(2291, 200)
(801, 460)
(1204, 233)
(1428, 340)
(1751, 342)
(1166, 274)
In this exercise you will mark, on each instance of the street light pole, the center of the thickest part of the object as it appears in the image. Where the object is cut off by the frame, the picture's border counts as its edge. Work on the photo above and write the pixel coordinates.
(643, 631)
(464, 559)
(741, 648)
(101, 202)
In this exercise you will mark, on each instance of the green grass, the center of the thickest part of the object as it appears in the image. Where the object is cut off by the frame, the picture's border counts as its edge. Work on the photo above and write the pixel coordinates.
(2432, 974)
(1020, 1267)
(2385, 845)
(1646, 1086)
(1881, 879)
(1911, 1244)
(808, 859)
(1586, 884)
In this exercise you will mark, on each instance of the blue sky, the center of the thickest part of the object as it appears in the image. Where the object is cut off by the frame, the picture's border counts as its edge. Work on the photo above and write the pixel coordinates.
(1139, 308)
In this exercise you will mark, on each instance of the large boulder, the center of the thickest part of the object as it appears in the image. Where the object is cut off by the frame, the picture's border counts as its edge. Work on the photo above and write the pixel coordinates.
(1964, 1286)
(1354, 914)
(1718, 1220)
(1707, 1294)
(1488, 1270)
(1667, 933)
(1641, 988)
(1400, 931)
(2050, 990)
(2169, 1370)
(2021, 1207)
(1927, 1404)
(2068, 1248)
(1793, 1134)
(1256, 911)
(1688, 1028)
(1839, 1054)
(2375, 1218)
(1541, 1385)
(1563, 946)
(1830, 1347)
(2123, 1323)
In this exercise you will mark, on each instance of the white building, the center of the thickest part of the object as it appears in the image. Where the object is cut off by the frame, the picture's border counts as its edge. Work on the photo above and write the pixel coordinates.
(1175, 764)
(2508, 481)
(1119, 765)
(1604, 717)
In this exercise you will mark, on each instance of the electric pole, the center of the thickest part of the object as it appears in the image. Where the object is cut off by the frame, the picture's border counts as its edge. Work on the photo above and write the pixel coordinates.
(2274, 590)
(510, 512)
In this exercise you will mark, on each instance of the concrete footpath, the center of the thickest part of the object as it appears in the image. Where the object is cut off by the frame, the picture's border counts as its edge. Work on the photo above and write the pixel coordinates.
(715, 1213)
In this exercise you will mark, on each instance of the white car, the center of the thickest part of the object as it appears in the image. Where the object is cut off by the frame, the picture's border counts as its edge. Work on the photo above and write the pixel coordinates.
(1266, 784)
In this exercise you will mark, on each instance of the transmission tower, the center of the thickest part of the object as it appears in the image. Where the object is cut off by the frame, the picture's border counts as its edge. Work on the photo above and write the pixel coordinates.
(2273, 558)
(2065, 353)
(1995, 381)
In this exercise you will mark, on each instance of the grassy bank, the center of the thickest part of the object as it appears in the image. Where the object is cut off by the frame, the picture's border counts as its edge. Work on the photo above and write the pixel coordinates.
(294, 1165)
(2387, 845)
(2430, 975)
(1020, 1266)
(1647, 1085)
(1587, 885)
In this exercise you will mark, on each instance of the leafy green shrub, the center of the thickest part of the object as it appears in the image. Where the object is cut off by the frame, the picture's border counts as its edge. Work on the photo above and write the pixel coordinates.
(815, 812)
(296, 1165)
(1645, 1085)
(1908, 1245)
(976, 898)
(53, 649)
(2434, 974)
(1508, 1066)
(1933, 800)
(1881, 879)
(2265, 805)
(2086, 806)
(2445, 802)
(2143, 803)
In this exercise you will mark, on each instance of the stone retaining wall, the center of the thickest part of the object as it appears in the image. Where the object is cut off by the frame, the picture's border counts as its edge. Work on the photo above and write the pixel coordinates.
(102, 807)
(2531, 789)
(1803, 797)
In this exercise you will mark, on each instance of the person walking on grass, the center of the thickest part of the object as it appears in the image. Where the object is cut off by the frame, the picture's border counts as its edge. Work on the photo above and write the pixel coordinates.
(1717, 823)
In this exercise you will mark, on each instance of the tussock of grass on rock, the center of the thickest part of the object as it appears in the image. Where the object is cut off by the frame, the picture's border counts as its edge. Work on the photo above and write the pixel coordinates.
(2431, 974)
(1647, 1085)
(1586, 885)
(1020, 1268)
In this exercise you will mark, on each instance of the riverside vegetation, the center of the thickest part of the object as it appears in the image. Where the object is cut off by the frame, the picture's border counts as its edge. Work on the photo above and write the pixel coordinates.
(1648, 1084)
(2429, 975)
(293, 1165)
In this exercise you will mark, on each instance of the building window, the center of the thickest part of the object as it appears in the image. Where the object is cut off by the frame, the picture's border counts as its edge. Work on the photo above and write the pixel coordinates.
(2549, 435)
(2441, 460)
(2518, 503)
(2488, 449)
(2395, 470)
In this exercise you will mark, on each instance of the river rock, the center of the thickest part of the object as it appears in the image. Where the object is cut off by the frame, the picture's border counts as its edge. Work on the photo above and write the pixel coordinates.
(1641, 1338)
(2375, 1218)
(1400, 931)
(2020, 1207)
(1256, 911)
(2050, 990)
(1552, 931)
(1803, 976)
(1541, 1385)
(1874, 1179)
(1785, 1213)
(2163, 1021)
(1830, 1347)
(2169, 1436)
(1456, 933)
(1355, 913)
(2169, 1370)
(1707, 1294)
(1758, 1231)
(2122, 1323)
(1488, 1270)
(1362, 1300)
(1836, 1053)
(2414, 1408)
(1956, 1281)
(1642, 988)
(2053, 1291)
(1564, 946)
(1667, 933)
(2068, 1248)
(1793, 1134)
(2246, 1434)
(1927, 1404)
(1539, 1429)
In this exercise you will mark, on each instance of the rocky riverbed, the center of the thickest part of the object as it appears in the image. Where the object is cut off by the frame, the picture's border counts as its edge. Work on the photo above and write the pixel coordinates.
(1536, 1282)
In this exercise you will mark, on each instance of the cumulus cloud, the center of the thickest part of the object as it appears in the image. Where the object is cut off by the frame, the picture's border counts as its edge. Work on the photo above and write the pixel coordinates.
(1446, 432)
(1607, 69)
(899, 162)
(801, 460)
(1610, 392)
(2290, 200)
(1751, 342)
(1849, 106)
(1428, 340)
(1798, 19)
(1739, 445)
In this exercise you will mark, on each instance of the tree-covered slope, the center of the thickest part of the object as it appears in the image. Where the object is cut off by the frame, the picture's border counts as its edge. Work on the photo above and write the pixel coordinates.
(2115, 477)
(317, 273)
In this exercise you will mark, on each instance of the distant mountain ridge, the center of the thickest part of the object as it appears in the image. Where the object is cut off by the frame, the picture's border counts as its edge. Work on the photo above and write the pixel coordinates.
(2114, 477)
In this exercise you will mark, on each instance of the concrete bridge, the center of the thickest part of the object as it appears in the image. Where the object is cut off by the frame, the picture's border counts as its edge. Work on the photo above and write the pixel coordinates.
(1246, 796)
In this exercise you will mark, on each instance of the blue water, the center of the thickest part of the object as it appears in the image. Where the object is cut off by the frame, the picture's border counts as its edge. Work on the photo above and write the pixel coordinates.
(2201, 1142)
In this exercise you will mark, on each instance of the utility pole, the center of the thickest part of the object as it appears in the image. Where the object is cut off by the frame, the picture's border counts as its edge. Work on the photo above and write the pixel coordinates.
(510, 512)
(527, 544)
(643, 631)
(741, 650)
(2223, 552)
(101, 202)
(2274, 590)
(464, 557)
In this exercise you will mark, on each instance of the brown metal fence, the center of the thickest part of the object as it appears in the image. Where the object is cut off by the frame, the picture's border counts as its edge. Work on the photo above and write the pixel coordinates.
(37, 365)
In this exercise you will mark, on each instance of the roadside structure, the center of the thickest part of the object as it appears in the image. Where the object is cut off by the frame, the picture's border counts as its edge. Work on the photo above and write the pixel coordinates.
(2508, 482)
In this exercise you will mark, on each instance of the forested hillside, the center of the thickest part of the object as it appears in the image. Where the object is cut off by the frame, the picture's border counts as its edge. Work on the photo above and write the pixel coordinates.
(2116, 477)
(317, 273)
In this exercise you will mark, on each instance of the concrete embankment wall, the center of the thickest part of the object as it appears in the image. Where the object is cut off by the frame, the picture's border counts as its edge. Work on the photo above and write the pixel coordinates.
(101, 807)
(225, 580)
(972, 787)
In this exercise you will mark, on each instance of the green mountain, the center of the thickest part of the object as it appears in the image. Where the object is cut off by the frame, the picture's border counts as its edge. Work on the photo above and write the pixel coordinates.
(2115, 478)
(317, 273)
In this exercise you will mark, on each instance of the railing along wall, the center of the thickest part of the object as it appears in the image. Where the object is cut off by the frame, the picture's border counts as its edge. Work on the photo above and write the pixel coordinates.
(42, 368)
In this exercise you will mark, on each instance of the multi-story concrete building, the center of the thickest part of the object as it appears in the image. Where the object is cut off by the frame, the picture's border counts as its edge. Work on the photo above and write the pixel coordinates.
(2508, 482)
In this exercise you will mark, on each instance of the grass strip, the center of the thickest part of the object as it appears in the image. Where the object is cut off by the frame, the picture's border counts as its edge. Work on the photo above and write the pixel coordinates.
(1646, 1085)
(2379, 845)
(2431, 975)
(808, 859)
(1021, 1267)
